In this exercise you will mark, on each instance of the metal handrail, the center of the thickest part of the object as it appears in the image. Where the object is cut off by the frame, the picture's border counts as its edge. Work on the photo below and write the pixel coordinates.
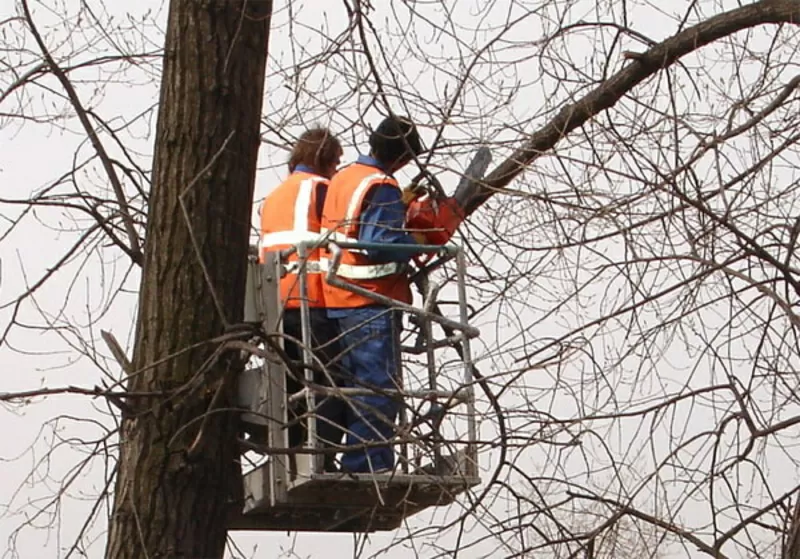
(460, 332)
(460, 395)
(333, 279)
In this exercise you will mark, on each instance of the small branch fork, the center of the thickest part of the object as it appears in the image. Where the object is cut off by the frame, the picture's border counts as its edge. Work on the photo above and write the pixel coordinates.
(134, 250)
(642, 66)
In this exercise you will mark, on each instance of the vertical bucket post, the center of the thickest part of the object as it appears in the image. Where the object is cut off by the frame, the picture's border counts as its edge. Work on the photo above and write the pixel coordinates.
(472, 449)
(311, 443)
(431, 291)
(251, 393)
(274, 381)
(402, 414)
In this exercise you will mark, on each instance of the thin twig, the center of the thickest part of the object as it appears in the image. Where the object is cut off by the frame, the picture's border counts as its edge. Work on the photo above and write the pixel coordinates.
(95, 392)
(668, 526)
(195, 244)
(135, 243)
(139, 527)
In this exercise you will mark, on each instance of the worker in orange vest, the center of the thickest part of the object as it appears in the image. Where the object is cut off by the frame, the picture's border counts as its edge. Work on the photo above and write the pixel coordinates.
(290, 214)
(365, 204)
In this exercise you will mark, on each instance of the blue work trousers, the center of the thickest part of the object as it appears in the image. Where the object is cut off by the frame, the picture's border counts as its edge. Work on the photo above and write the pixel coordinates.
(370, 340)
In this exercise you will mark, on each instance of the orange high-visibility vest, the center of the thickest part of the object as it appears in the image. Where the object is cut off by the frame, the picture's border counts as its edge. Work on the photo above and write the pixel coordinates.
(289, 216)
(340, 222)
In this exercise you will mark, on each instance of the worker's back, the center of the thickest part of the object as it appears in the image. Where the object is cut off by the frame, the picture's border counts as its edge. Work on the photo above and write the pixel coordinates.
(341, 220)
(289, 216)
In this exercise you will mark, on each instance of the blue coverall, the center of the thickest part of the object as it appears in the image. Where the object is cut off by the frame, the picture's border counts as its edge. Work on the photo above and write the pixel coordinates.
(372, 336)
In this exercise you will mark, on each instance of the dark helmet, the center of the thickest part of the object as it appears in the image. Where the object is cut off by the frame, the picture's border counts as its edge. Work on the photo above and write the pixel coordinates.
(394, 139)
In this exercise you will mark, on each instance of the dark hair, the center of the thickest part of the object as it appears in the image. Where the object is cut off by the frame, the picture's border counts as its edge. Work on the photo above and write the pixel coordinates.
(316, 147)
(395, 138)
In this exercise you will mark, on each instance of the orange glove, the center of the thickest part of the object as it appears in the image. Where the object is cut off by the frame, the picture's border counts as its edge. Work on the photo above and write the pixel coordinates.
(411, 193)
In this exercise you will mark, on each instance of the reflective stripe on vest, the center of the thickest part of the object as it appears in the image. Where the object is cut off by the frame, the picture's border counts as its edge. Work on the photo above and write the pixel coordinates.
(358, 195)
(363, 271)
(278, 238)
(341, 223)
(300, 233)
(288, 218)
(303, 204)
(369, 271)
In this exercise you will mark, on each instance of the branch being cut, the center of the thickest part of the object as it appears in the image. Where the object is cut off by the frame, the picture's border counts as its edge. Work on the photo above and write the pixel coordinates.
(642, 66)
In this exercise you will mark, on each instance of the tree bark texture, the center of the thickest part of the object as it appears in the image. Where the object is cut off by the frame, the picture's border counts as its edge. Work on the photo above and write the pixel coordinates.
(170, 503)
(791, 547)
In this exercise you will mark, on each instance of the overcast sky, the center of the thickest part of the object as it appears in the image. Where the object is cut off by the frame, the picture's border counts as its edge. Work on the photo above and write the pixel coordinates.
(56, 341)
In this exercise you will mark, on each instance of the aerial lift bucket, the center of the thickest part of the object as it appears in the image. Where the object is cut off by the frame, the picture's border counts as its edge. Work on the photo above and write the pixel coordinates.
(430, 472)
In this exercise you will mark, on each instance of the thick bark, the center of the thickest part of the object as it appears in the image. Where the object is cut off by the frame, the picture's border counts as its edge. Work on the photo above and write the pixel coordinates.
(791, 547)
(169, 503)
(642, 66)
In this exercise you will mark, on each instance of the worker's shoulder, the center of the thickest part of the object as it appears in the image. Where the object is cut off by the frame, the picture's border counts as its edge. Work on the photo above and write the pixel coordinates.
(384, 195)
(301, 176)
(356, 174)
(356, 167)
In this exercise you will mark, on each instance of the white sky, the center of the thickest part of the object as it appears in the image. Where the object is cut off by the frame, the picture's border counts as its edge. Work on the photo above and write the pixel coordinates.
(32, 154)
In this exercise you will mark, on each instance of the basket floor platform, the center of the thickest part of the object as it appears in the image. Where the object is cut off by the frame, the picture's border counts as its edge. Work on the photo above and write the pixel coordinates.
(344, 502)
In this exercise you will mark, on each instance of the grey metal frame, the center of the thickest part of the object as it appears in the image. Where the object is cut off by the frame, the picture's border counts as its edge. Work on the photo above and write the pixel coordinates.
(266, 308)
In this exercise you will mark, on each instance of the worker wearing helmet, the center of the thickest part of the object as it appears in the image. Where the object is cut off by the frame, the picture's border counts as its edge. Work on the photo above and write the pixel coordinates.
(291, 214)
(365, 204)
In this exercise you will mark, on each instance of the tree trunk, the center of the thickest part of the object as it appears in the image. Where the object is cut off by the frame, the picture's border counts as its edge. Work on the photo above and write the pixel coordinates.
(170, 503)
(791, 548)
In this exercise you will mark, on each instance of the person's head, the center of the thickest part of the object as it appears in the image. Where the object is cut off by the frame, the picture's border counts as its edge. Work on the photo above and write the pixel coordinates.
(395, 142)
(319, 149)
